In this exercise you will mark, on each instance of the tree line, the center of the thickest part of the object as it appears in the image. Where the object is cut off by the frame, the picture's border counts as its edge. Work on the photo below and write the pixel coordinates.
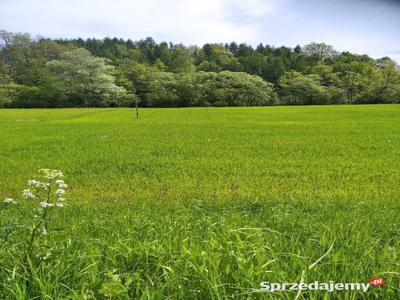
(41, 72)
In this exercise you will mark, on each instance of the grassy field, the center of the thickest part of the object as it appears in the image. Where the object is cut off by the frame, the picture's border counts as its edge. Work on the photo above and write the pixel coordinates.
(204, 203)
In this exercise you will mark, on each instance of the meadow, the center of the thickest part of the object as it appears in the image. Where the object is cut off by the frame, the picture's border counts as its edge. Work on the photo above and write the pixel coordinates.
(204, 203)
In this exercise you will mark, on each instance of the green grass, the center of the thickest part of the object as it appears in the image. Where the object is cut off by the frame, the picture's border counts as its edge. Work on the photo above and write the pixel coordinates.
(205, 203)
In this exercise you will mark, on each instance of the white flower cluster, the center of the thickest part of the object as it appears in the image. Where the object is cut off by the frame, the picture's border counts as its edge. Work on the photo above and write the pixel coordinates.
(38, 184)
(28, 194)
(41, 190)
(61, 184)
(46, 204)
(60, 191)
(9, 201)
(54, 180)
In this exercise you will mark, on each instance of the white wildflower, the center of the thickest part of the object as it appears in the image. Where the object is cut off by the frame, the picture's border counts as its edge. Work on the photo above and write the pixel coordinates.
(61, 184)
(60, 192)
(61, 199)
(9, 201)
(60, 204)
(37, 183)
(32, 182)
(28, 194)
(45, 204)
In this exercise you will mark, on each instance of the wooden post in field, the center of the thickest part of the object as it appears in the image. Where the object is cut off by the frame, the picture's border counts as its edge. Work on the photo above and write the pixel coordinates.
(137, 110)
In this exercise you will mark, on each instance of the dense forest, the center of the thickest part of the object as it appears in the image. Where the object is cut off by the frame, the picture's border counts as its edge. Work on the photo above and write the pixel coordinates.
(41, 72)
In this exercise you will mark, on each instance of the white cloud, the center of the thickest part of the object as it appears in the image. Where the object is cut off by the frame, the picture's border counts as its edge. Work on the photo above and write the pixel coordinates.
(256, 8)
(371, 27)
(188, 21)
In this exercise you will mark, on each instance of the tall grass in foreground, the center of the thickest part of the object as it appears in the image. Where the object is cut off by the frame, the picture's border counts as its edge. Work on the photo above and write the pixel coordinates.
(204, 250)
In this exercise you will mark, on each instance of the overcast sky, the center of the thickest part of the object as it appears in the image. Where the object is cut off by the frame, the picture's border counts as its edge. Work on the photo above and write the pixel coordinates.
(360, 26)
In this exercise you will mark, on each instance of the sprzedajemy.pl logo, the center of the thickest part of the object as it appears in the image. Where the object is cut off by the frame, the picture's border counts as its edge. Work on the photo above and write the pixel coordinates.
(321, 286)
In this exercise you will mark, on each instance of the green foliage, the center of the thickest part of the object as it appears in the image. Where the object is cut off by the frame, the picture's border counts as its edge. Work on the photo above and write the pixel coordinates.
(209, 88)
(234, 89)
(319, 51)
(181, 62)
(384, 86)
(215, 58)
(298, 89)
(5, 97)
(24, 60)
(84, 79)
(123, 73)
(5, 82)
(19, 95)
(162, 90)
